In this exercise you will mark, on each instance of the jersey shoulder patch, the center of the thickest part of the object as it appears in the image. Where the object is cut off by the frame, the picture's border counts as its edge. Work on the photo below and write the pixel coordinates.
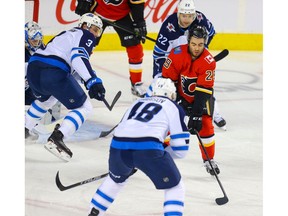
(177, 50)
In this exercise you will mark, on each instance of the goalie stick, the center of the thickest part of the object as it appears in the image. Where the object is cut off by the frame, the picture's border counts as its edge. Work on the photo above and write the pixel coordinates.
(117, 96)
(220, 200)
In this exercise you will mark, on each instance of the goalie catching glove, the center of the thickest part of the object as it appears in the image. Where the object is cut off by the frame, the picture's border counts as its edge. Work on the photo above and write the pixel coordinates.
(95, 88)
(140, 30)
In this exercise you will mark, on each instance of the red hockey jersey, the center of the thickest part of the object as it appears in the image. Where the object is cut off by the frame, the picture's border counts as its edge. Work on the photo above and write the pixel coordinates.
(115, 9)
(190, 74)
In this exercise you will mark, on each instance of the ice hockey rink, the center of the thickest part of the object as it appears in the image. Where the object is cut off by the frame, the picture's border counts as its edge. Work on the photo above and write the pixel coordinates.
(239, 150)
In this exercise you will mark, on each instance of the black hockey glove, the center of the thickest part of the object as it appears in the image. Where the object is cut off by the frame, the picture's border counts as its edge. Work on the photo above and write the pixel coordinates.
(195, 123)
(140, 30)
(84, 6)
(95, 88)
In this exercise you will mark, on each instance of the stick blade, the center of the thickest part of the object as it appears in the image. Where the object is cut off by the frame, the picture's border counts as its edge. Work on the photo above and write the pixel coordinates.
(106, 133)
(222, 200)
(221, 55)
(58, 183)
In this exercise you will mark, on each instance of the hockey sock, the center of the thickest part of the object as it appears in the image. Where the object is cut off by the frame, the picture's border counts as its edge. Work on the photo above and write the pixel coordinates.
(105, 195)
(174, 200)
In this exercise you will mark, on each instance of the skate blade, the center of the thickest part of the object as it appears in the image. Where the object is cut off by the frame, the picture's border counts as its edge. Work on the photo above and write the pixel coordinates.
(52, 148)
(223, 128)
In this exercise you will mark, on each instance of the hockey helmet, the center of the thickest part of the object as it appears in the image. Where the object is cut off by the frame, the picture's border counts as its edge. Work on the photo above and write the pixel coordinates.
(164, 87)
(186, 7)
(91, 19)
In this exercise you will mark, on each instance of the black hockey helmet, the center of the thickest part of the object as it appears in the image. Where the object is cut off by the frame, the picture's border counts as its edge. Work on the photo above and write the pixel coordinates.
(198, 32)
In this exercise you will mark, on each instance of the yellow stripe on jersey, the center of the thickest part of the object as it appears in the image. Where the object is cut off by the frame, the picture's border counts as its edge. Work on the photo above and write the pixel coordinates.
(207, 91)
(208, 108)
(137, 1)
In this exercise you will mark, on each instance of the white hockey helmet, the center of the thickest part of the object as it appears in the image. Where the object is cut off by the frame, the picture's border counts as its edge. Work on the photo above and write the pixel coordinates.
(164, 87)
(91, 19)
(186, 7)
(33, 35)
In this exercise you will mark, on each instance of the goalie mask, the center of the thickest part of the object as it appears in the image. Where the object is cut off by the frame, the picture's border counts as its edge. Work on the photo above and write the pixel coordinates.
(91, 20)
(33, 36)
(164, 87)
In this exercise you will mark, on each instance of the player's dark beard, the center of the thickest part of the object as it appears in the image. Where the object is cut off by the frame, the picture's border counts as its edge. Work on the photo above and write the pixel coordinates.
(194, 56)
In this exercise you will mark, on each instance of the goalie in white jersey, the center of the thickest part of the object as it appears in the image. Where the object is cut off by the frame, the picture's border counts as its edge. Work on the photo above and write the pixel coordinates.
(49, 76)
(138, 144)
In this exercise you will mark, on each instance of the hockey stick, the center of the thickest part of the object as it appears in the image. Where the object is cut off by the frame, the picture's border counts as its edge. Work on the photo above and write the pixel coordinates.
(63, 188)
(106, 133)
(117, 96)
(125, 29)
(221, 55)
(221, 200)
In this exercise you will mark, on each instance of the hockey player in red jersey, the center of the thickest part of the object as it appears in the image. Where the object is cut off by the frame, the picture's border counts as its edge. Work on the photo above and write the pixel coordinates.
(192, 67)
(130, 15)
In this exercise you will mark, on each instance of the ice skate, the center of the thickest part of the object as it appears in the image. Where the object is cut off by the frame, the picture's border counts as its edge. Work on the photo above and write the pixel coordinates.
(94, 212)
(137, 89)
(209, 168)
(56, 146)
(220, 122)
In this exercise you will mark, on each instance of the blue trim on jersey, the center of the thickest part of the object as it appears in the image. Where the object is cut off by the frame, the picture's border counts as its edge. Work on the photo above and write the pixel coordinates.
(180, 136)
(51, 61)
(81, 52)
(94, 202)
(158, 50)
(180, 148)
(104, 196)
(77, 55)
(136, 145)
(174, 202)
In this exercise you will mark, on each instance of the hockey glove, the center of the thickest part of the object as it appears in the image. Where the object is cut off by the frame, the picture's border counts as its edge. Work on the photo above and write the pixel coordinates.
(84, 6)
(95, 88)
(195, 123)
(140, 30)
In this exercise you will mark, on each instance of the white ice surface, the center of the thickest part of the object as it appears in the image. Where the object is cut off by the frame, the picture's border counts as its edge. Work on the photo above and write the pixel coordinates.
(239, 150)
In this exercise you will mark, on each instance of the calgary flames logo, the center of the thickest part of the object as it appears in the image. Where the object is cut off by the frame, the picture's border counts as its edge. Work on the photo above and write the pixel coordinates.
(113, 2)
(188, 85)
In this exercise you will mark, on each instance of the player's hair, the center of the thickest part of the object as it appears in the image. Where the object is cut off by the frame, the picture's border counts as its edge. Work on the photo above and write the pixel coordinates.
(33, 32)
(198, 32)
(164, 87)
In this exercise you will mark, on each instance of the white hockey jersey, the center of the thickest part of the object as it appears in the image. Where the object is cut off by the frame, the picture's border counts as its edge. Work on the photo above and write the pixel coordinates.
(146, 124)
(70, 50)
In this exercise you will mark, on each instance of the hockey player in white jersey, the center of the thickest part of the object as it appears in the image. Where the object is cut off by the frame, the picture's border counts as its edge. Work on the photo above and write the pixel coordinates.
(138, 144)
(174, 32)
(49, 76)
